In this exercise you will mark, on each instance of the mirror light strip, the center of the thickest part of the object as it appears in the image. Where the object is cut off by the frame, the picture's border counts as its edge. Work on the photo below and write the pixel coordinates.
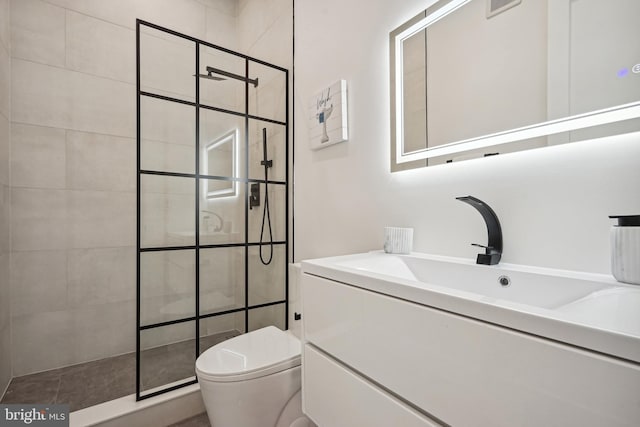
(580, 121)
(418, 26)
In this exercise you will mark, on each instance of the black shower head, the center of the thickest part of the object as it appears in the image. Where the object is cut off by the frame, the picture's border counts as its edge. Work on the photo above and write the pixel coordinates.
(210, 76)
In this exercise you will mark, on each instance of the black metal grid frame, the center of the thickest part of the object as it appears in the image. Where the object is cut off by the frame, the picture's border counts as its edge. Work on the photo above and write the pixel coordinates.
(197, 176)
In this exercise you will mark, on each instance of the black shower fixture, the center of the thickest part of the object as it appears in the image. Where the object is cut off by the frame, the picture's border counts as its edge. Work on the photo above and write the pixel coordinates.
(211, 71)
(266, 213)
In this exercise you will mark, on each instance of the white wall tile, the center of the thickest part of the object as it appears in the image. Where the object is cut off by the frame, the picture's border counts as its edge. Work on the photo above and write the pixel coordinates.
(222, 29)
(155, 337)
(269, 98)
(37, 32)
(5, 224)
(188, 17)
(50, 96)
(41, 94)
(224, 7)
(267, 282)
(103, 106)
(153, 220)
(256, 17)
(167, 64)
(99, 276)
(50, 340)
(225, 323)
(274, 44)
(37, 156)
(5, 25)
(38, 219)
(5, 149)
(221, 279)
(167, 286)
(42, 341)
(101, 219)
(100, 162)
(167, 122)
(5, 360)
(276, 213)
(38, 281)
(104, 330)
(5, 298)
(100, 48)
(5, 83)
(5, 197)
(266, 316)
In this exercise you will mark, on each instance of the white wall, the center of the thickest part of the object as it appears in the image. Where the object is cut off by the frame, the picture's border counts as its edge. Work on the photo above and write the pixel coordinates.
(5, 147)
(553, 202)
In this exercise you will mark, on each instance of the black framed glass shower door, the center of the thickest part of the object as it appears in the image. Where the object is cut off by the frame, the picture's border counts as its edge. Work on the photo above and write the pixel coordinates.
(209, 120)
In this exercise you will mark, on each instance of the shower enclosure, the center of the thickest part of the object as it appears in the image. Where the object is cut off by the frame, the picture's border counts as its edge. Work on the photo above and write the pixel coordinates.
(212, 135)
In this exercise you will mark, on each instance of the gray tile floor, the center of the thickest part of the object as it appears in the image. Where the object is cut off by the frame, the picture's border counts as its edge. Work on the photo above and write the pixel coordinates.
(88, 384)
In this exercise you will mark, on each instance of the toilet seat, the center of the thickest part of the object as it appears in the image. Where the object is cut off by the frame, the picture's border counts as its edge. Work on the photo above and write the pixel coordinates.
(259, 353)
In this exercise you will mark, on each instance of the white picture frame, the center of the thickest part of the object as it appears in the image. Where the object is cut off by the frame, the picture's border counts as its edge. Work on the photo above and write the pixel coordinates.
(328, 116)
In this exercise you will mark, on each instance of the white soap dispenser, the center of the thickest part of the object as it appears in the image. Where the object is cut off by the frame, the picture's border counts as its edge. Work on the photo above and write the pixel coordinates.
(625, 249)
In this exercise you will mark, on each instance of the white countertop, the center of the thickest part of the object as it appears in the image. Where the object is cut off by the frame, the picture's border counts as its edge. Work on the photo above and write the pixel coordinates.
(606, 320)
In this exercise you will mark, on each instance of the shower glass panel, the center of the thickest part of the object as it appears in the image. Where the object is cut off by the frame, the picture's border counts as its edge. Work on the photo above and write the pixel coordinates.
(222, 138)
(212, 227)
(168, 136)
(166, 64)
(267, 99)
(267, 282)
(220, 90)
(277, 204)
(276, 148)
(166, 356)
(222, 219)
(265, 316)
(166, 286)
(167, 208)
(216, 329)
(221, 280)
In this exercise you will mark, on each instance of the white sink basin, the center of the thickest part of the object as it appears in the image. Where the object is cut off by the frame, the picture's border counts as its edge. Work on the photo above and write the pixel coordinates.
(586, 310)
(615, 309)
(525, 287)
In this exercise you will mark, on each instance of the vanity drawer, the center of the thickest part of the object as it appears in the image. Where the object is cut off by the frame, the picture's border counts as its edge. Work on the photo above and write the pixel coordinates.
(463, 371)
(334, 396)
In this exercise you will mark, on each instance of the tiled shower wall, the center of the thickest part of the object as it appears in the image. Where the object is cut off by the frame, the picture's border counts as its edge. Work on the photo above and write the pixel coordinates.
(5, 136)
(73, 170)
(265, 31)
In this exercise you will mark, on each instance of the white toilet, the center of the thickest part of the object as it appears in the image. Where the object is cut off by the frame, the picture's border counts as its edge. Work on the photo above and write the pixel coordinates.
(253, 380)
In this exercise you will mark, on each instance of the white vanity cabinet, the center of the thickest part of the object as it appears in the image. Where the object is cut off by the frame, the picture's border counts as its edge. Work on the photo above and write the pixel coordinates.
(375, 360)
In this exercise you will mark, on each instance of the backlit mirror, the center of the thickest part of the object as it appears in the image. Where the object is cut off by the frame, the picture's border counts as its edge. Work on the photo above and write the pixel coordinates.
(221, 161)
(474, 78)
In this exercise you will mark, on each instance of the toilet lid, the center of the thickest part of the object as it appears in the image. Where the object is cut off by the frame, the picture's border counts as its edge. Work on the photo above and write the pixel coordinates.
(255, 354)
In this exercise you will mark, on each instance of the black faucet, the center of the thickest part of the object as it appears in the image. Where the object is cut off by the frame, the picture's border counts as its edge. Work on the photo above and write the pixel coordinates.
(493, 250)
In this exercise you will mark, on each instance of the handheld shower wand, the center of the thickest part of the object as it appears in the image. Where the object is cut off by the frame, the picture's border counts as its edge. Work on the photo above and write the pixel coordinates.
(266, 216)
